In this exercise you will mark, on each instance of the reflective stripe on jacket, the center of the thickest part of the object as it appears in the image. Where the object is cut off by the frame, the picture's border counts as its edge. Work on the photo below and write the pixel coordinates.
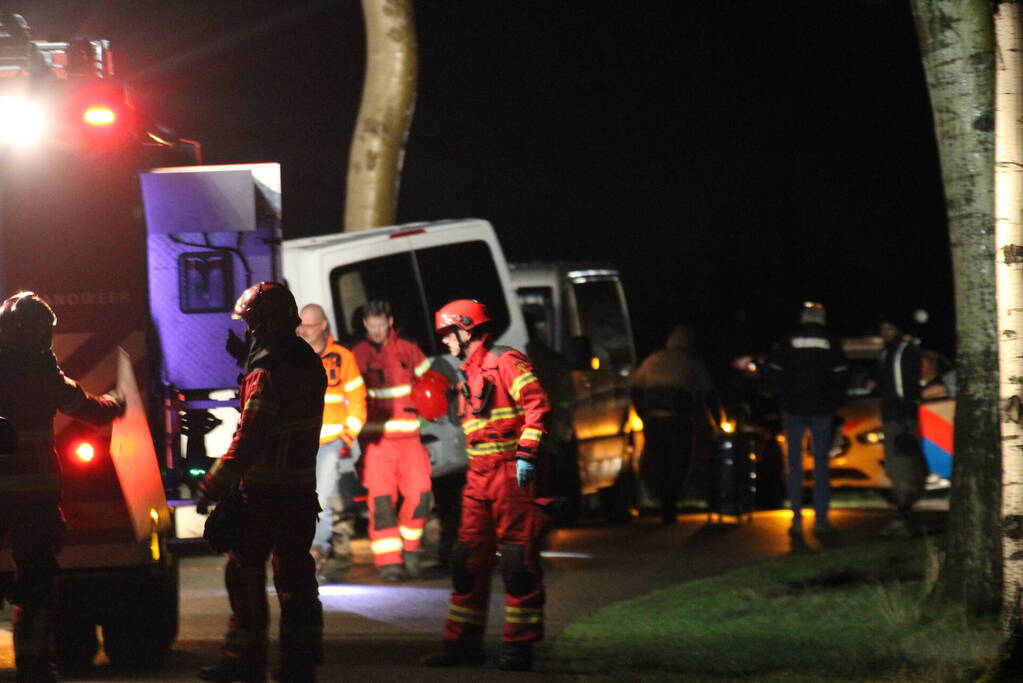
(274, 448)
(344, 403)
(32, 389)
(389, 370)
(510, 418)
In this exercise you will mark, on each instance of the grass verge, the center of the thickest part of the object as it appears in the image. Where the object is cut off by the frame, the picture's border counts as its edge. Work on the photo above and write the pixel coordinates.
(849, 614)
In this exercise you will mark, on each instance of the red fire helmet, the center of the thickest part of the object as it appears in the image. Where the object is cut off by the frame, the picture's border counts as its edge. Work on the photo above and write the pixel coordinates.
(464, 313)
(430, 394)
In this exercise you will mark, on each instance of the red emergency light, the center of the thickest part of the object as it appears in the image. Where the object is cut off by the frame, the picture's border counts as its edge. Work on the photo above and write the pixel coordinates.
(99, 116)
(85, 452)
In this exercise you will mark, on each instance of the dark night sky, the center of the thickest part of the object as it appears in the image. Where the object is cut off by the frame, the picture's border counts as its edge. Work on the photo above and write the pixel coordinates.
(731, 157)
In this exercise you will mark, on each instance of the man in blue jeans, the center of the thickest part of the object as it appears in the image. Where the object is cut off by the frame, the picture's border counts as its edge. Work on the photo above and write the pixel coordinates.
(808, 372)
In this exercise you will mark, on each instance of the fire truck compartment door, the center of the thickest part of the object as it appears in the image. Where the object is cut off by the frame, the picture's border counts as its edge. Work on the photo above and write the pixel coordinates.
(131, 449)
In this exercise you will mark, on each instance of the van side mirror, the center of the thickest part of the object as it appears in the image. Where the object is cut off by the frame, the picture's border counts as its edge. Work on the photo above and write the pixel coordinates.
(580, 353)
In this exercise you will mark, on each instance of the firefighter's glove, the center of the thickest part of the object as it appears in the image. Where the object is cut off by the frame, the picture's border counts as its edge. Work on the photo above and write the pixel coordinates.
(118, 400)
(525, 472)
(237, 347)
(202, 506)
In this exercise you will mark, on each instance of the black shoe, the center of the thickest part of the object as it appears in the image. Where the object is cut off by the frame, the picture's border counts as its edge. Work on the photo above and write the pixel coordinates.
(228, 671)
(414, 564)
(515, 656)
(454, 653)
(392, 573)
(295, 674)
(37, 674)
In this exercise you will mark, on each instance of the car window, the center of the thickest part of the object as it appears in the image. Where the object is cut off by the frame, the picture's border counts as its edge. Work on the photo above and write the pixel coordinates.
(602, 319)
(538, 309)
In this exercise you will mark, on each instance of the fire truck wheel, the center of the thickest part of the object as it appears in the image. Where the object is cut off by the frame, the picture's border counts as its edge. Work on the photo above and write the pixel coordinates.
(141, 638)
(76, 645)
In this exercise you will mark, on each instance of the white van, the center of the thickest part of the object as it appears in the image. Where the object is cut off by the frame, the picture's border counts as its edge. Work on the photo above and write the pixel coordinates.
(417, 267)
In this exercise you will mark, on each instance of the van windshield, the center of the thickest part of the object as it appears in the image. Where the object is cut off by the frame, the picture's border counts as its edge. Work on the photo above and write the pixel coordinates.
(463, 270)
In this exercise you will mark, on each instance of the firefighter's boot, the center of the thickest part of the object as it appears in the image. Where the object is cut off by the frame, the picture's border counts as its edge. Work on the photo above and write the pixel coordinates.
(413, 563)
(515, 656)
(230, 670)
(467, 650)
(392, 573)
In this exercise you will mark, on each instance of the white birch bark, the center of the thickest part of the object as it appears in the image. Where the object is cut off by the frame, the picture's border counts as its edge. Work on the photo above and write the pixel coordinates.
(1009, 287)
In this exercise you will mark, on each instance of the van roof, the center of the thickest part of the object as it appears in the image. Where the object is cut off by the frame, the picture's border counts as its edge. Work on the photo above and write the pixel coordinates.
(569, 268)
(337, 238)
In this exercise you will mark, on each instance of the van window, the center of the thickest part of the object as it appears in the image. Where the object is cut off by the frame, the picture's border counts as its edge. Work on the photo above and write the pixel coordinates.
(464, 270)
(602, 319)
(538, 309)
(391, 278)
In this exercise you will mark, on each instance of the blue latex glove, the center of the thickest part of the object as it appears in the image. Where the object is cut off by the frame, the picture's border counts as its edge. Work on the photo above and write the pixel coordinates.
(524, 472)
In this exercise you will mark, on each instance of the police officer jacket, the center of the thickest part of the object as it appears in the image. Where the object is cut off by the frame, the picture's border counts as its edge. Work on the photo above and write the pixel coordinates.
(808, 371)
(32, 389)
(274, 448)
(898, 379)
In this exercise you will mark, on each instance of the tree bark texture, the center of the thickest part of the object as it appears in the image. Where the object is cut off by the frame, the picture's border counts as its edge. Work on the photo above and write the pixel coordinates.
(1009, 275)
(385, 115)
(957, 47)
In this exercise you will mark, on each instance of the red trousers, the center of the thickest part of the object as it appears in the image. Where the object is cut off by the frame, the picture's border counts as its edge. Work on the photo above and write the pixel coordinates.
(497, 516)
(389, 468)
(280, 529)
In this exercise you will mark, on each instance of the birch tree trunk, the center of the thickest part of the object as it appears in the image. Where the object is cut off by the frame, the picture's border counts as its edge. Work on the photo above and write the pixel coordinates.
(388, 99)
(1009, 273)
(956, 44)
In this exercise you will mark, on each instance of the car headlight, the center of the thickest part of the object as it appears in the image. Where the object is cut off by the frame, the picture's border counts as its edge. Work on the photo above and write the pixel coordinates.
(871, 437)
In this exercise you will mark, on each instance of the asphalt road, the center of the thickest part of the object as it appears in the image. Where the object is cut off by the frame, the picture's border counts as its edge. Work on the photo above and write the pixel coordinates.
(377, 632)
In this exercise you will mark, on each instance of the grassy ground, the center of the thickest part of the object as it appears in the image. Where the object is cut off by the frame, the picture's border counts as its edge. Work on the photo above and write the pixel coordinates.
(849, 614)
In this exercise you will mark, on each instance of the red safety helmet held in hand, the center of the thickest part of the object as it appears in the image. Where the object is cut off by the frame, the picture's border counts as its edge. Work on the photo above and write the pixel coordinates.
(430, 394)
(463, 313)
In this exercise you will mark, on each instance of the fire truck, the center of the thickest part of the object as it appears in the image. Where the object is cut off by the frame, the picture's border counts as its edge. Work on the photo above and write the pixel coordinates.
(141, 252)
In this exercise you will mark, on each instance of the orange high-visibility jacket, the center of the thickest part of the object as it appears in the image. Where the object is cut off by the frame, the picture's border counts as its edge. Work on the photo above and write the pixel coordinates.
(389, 371)
(344, 403)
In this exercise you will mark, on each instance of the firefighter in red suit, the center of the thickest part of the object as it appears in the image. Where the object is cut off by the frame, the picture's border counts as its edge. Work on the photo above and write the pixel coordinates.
(273, 456)
(32, 390)
(394, 461)
(504, 412)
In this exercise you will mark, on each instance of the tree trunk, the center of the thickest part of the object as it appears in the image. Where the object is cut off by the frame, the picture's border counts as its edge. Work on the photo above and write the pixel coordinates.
(388, 99)
(956, 43)
(1008, 269)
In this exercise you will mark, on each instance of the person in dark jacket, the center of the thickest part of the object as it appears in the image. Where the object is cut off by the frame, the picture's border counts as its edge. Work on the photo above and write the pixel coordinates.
(671, 390)
(272, 458)
(32, 389)
(808, 372)
(898, 384)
